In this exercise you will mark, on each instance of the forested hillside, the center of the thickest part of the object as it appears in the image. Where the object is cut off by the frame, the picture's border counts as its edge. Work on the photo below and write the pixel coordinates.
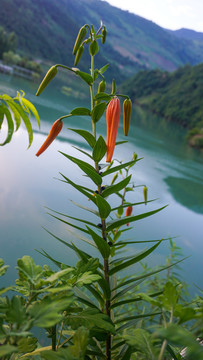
(177, 96)
(46, 29)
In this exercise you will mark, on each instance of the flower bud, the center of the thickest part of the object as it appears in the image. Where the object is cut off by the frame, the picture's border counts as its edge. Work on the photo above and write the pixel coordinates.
(93, 48)
(128, 212)
(112, 122)
(102, 86)
(104, 33)
(145, 191)
(55, 130)
(78, 55)
(51, 73)
(81, 35)
(114, 178)
(127, 107)
(134, 156)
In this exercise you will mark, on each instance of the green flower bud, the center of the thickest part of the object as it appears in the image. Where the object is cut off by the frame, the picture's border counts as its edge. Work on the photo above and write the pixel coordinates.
(113, 87)
(145, 191)
(48, 77)
(114, 178)
(102, 86)
(134, 156)
(120, 211)
(81, 35)
(104, 33)
(127, 107)
(78, 55)
(94, 48)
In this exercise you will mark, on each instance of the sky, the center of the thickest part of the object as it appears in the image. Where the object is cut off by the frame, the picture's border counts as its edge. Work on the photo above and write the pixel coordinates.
(170, 14)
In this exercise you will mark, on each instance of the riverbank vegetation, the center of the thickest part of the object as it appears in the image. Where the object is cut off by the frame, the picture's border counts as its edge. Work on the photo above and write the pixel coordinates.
(176, 96)
(10, 56)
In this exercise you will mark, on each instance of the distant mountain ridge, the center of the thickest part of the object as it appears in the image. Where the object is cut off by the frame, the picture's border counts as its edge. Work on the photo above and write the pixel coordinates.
(47, 29)
(187, 34)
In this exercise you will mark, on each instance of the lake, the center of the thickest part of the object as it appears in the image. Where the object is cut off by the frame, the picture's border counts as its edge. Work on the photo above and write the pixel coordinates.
(172, 171)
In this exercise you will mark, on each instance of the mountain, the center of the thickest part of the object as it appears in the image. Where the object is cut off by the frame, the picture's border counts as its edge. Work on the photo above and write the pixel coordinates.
(187, 34)
(47, 29)
(177, 96)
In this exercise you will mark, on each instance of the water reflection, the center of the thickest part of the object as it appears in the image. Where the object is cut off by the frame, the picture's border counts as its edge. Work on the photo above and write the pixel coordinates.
(187, 192)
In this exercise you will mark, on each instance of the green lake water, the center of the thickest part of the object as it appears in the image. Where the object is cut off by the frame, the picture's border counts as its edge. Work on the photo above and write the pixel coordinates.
(172, 171)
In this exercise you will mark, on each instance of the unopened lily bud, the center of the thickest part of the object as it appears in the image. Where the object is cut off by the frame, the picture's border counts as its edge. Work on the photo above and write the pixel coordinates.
(134, 156)
(114, 178)
(51, 73)
(81, 35)
(93, 48)
(128, 212)
(145, 191)
(113, 87)
(112, 122)
(104, 33)
(120, 211)
(78, 55)
(102, 86)
(55, 130)
(127, 107)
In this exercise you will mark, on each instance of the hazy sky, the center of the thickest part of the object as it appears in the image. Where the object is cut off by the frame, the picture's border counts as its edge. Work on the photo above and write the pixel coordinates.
(170, 14)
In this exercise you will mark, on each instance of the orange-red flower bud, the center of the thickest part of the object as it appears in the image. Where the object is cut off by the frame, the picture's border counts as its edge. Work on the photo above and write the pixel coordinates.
(128, 212)
(112, 121)
(127, 107)
(55, 130)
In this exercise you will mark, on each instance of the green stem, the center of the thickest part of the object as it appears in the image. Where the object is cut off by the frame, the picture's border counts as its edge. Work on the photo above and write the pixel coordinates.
(106, 263)
(53, 337)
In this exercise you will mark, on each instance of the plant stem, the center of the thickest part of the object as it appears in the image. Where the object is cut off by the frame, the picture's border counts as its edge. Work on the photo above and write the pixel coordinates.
(106, 263)
(53, 337)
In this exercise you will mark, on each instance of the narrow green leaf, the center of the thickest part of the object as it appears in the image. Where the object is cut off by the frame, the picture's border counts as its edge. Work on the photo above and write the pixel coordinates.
(83, 152)
(132, 300)
(69, 223)
(82, 254)
(116, 187)
(15, 114)
(10, 125)
(87, 168)
(96, 293)
(104, 68)
(133, 261)
(121, 142)
(84, 298)
(119, 167)
(102, 96)
(85, 76)
(117, 223)
(95, 212)
(80, 111)
(147, 274)
(103, 206)
(102, 245)
(86, 135)
(99, 149)
(127, 319)
(26, 121)
(80, 189)
(98, 111)
(32, 108)
(74, 218)
(131, 204)
(1, 116)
